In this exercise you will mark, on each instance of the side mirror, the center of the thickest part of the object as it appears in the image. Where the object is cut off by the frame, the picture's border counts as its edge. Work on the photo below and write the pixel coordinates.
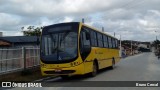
(87, 36)
(38, 41)
(87, 49)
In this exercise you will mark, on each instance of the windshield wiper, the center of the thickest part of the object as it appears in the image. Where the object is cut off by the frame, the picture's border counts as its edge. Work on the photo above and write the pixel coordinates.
(63, 36)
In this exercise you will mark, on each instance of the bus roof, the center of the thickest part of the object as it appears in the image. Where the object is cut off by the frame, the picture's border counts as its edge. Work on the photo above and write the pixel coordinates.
(97, 30)
(61, 24)
(83, 25)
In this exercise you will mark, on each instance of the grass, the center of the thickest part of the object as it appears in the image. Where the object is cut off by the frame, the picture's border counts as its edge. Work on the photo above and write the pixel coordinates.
(23, 76)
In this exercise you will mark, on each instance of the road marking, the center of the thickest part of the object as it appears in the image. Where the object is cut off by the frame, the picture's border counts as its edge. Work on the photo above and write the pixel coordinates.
(46, 78)
(131, 57)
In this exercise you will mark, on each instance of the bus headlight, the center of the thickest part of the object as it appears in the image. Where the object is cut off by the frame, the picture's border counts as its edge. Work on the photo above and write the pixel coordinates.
(43, 65)
(72, 64)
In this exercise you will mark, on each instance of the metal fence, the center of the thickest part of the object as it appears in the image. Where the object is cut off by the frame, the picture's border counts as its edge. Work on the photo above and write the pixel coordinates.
(18, 59)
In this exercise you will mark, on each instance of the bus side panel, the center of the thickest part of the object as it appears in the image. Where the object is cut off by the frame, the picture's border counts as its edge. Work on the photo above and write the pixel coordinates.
(117, 58)
(115, 55)
(104, 56)
(88, 66)
(88, 63)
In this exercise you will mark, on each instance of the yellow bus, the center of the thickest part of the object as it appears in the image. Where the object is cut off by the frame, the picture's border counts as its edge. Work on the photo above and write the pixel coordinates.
(76, 49)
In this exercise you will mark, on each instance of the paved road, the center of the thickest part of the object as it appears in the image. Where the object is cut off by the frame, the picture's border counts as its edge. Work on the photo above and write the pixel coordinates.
(141, 67)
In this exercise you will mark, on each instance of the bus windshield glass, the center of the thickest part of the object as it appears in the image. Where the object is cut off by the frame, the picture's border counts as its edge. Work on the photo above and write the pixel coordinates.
(59, 46)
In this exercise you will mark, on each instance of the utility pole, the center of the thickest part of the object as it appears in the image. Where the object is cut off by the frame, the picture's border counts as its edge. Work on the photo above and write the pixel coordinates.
(156, 37)
(120, 47)
(82, 20)
(114, 34)
(131, 47)
(156, 41)
(102, 29)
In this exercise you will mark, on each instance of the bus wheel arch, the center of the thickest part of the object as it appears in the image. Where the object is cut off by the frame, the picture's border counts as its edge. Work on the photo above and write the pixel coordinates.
(94, 68)
(64, 77)
(96, 61)
(113, 63)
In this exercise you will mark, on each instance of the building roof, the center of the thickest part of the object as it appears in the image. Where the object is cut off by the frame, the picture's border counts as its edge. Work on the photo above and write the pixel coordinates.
(19, 39)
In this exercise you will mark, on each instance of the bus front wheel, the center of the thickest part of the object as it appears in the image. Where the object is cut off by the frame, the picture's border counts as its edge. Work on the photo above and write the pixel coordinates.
(94, 69)
(113, 64)
(64, 76)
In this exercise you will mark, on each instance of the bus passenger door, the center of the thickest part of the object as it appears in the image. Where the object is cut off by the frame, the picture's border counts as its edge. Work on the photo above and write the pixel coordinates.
(85, 49)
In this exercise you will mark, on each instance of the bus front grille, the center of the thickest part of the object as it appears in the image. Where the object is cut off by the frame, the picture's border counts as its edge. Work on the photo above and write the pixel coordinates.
(61, 72)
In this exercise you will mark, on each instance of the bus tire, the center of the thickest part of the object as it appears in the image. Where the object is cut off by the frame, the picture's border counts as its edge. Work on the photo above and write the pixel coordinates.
(64, 77)
(113, 64)
(94, 69)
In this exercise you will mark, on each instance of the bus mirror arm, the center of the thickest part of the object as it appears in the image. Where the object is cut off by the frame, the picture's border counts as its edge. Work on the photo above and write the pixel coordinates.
(38, 42)
(87, 48)
(87, 36)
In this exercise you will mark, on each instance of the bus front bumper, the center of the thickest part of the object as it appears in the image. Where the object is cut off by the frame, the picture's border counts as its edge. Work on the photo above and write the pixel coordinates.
(76, 70)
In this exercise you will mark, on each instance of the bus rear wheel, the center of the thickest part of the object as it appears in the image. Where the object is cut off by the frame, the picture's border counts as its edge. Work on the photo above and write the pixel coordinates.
(94, 69)
(113, 64)
(64, 76)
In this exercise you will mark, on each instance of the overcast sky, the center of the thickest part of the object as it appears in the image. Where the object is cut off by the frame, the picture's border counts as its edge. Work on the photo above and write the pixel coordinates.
(132, 19)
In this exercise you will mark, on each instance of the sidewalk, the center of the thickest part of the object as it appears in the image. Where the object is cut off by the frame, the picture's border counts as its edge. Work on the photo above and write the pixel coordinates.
(26, 76)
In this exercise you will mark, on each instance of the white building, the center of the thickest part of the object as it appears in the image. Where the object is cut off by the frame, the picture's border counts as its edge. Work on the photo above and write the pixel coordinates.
(142, 45)
(1, 34)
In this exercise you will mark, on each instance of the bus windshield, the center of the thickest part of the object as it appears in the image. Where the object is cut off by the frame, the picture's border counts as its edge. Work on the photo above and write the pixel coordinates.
(59, 46)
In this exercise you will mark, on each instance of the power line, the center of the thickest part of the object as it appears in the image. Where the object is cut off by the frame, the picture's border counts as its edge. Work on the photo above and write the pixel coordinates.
(128, 5)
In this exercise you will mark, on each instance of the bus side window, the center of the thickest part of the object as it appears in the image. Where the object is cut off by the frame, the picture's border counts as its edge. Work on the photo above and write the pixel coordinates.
(93, 38)
(85, 37)
(116, 43)
(110, 42)
(100, 40)
(113, 43)
(105, 40)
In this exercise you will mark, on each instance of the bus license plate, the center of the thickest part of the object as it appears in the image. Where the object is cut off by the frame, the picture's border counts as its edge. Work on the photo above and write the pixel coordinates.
(58, 70)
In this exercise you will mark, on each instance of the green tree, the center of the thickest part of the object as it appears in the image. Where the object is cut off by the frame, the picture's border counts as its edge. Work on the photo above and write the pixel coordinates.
(32, 31)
